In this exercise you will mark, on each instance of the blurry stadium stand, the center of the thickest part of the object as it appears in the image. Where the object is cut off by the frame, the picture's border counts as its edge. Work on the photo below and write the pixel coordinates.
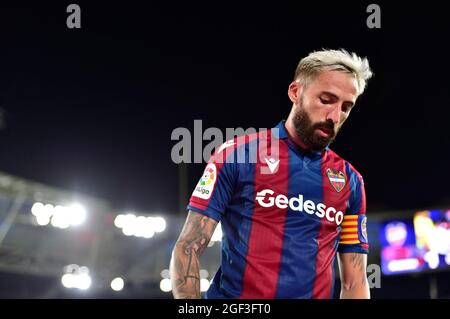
(29, 249)
(33, 257)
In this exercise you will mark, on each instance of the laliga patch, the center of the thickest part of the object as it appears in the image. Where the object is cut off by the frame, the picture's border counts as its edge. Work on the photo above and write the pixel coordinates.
(362, 229)
(206, 183)
(336, 178)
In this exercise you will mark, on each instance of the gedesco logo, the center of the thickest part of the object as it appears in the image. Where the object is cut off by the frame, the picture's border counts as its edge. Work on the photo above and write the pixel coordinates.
(298, 205)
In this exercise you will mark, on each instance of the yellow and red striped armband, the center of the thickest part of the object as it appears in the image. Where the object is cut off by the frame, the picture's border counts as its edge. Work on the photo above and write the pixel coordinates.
(353, 230)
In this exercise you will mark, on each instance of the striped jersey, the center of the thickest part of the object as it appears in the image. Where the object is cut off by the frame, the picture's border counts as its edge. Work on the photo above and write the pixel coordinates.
(284, 212)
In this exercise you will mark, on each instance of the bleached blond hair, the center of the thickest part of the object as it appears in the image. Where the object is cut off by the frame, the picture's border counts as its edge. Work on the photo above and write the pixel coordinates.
(336, 60)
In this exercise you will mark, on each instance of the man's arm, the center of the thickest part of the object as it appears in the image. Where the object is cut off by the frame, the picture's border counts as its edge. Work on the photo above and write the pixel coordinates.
(185, 264)
(354, 284)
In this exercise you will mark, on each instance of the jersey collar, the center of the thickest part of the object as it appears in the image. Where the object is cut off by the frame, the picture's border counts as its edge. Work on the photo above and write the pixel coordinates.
(280, 132)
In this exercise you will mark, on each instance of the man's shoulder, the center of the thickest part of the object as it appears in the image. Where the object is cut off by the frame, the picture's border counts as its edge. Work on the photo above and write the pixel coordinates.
(243, 141)
(235, 147)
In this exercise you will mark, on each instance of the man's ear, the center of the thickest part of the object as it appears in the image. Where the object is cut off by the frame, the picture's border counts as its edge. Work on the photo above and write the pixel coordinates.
(295, 91)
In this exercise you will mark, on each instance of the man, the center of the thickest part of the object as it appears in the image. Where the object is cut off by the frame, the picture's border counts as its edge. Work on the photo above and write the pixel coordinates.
(286, 216)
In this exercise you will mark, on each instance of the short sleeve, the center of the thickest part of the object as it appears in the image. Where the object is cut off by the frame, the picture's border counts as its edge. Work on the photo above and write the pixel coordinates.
(214, 190)
(353, 236)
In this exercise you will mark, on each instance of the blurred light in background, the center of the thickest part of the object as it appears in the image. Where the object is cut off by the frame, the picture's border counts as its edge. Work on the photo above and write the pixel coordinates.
(432, 259)
(403, 264)
(159, 224)
(217, 235)
(165, 285)
(58, 216)
(165, 273)
(117, 284)
(42, 212)
(77, 214)
(76, 277)
(204, 284)
(139, 226)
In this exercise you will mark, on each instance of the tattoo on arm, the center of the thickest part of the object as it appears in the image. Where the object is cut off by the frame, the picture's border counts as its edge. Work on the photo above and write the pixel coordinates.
(359, 262)
(185, 265)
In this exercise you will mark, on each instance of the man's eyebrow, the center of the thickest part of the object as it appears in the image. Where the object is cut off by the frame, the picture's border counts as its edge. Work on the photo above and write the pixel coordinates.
(336, 97)
(329, 93)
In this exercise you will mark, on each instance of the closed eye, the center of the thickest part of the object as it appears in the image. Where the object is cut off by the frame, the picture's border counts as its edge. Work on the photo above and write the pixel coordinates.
(325, 101)
(347, 107)
(328, 98)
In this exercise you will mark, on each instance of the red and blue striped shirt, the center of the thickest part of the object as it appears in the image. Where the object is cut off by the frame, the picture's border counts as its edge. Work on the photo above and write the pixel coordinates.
(284, 212)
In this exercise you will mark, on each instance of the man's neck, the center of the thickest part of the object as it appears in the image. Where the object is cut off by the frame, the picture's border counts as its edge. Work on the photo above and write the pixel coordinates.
(292, 133)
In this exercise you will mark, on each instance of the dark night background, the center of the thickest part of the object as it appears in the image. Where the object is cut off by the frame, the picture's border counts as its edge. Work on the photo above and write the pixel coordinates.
(92, 110)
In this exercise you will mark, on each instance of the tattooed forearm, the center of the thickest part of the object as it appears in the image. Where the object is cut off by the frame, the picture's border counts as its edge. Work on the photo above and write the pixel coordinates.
(185, 264)
(353, 275)
(358, 261)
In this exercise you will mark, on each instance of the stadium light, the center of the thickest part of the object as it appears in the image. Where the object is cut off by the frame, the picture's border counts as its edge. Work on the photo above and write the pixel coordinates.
(84, 281)
(204, 284)
(42, 220)
(119, 221)
(117, 284)
(159, 224)
(48, 209)
(148, 229)
(165, 285)
(129, 219)
(43, 213)
(76, 277)
(77, 214)
(67, 281)
(128, 224)
(36, 209)
(127, 231)
(140, 226)
(58, 216)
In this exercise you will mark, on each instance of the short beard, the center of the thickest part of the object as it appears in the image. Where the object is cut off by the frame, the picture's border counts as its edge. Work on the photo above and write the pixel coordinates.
(306, 130)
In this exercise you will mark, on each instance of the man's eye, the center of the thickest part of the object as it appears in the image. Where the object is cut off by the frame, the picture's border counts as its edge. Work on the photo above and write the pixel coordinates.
(324, 101)
(346, 108)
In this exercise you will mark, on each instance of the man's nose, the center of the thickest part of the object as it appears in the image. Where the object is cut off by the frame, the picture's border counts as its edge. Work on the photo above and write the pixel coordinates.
(335, 114)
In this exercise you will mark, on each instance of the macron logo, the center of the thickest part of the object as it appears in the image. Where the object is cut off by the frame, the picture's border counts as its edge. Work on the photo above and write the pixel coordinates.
(272, 163)
(225, 145)
(266, 199)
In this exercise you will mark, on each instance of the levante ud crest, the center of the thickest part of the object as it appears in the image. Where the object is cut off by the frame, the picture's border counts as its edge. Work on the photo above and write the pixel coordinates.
(336, 178)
